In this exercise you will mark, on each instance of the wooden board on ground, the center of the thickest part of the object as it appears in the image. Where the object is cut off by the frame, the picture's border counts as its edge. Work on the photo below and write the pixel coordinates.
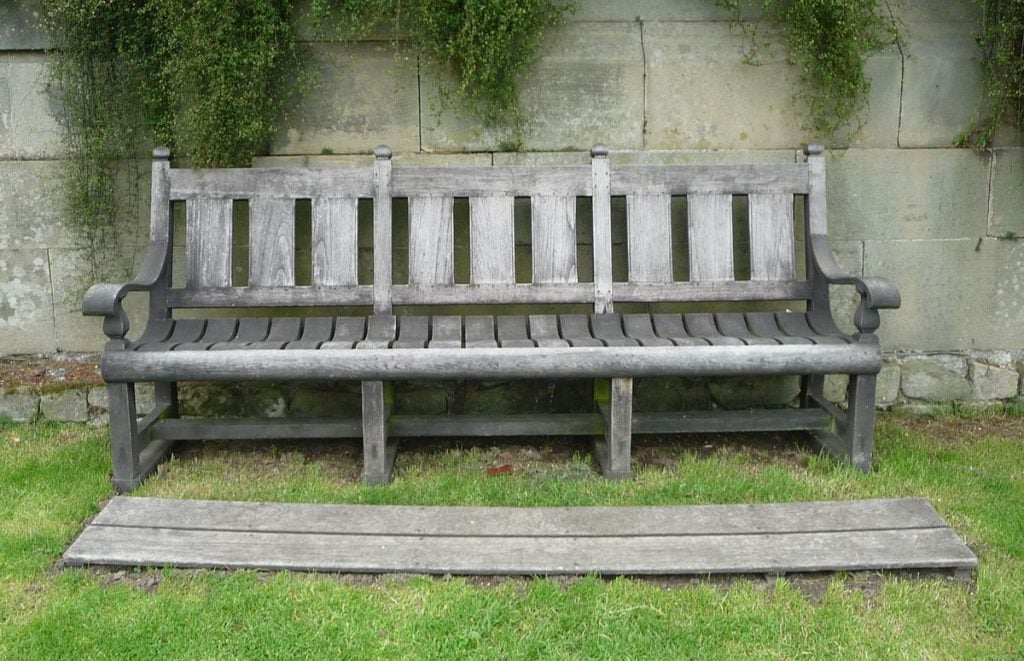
(904, 534)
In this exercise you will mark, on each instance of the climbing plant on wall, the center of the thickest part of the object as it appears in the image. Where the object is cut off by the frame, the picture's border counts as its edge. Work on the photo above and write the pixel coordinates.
(1001, 37)
(829, 40)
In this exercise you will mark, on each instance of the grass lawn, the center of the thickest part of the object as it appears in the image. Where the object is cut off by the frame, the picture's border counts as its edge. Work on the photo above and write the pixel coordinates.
(970, 465)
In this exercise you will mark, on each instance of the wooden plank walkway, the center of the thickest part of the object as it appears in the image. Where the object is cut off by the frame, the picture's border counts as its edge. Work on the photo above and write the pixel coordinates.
(903, 534)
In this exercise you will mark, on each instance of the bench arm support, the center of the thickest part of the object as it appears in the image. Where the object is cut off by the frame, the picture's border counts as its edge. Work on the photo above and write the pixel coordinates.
(875, 293)
(104, 300)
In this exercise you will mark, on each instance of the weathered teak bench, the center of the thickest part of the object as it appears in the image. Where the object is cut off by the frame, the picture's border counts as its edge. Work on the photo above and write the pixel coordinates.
(604, 328)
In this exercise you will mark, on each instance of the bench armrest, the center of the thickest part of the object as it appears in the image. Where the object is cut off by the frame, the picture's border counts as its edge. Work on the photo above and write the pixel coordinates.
(104, 299)
(875, 293)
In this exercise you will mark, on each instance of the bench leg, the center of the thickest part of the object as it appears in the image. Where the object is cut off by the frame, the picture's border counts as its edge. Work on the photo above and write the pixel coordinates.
(166, 398)
(613, 451)
(860, 420)
(378, 452)
(134, 455)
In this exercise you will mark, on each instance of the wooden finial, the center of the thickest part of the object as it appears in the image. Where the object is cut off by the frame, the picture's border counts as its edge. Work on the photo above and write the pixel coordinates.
(814, 149)
(162, 154)
(382, 151)
(599, 151)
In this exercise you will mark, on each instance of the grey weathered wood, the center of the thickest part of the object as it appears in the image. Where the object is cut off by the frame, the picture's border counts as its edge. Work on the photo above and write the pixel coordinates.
(772, 254)
(378, 452)
(492, 240)
(553, 222)
(765, 324)
(244, 183)
(724, 179)
(234, 297)
(445, 332)
(271, 242)
(711, 291)
(544, 331)
(512, 332)
(431, 241)
(614, 399)
(702, 325)
(208, 242)
(602, 231)
(347, 332)
(710, 228)
(649, 220)
(413, 332)
(335, 241)
(493, 294)
(185, 331)
(640, 328)
(734, 324)
(216, 331)
(124, 436)
(480, 332)
(315, 331)
(382, 251)
(283, 330)
(575, 329)
(462, 521)
(670, 326)
(206, 429)
(696, 540)
(250, 329)
(795, 324)
(381, 330)
(374, 361)
(718, 422)
(608, 329)
(516, 181)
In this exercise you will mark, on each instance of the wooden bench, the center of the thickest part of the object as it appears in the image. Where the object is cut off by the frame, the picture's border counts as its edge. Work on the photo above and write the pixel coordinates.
(528, 247)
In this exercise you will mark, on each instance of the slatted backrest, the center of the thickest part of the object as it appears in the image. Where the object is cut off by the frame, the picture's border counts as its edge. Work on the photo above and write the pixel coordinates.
(705, 228)
(489, 195)
(273, 196)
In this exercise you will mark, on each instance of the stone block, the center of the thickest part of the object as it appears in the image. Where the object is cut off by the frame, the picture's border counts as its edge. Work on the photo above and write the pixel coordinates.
(649, 10)
(364, 94)
(20, 405)
(930, 381)
(670, 394)
(243, 400)
(26, 303)
(21, 26)
(990, 382)
(845, 299)
(98, 398)
(942, 83)
(586, 87)
(310, 402)
(907, 194)
(936, 10)
(29, 128)
(421, 398)
(754, 392)
(31, 205)
(70, 277)
(65, 406)
(835, 387)
(961, 294)
(1007, 219)
(887, 387)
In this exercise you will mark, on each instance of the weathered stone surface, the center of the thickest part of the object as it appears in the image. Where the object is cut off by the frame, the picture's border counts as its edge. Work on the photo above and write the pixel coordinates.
(649, 10)
(421, 398)
(942, 83)
(937, 10)
(70, 279)
(26, 305)
(1007, 219)
(98, 398)
(31, 205)
(669, 394)
(587, 86)
(929, 381)
(990, 382)
(835, 387)
(845, 299)
(28, 124)
(231, 400)
(325, 403)
(20, 405)
(21, 26)
(957, 294)
(887, 387)
(907, 194)
(366, 94)
(65, 406)
(755, 392)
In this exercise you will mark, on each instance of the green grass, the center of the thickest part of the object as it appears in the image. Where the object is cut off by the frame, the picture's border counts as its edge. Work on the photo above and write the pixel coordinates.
(52, 477)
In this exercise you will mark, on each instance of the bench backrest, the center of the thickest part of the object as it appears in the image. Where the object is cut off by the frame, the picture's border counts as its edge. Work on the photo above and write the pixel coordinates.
(678, 236)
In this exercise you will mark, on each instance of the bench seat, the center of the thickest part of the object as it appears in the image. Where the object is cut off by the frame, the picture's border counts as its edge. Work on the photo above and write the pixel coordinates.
(488, 273)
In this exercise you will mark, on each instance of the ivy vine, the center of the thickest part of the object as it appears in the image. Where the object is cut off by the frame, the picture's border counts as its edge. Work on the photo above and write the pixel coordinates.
(1001, 37)
(829, 40)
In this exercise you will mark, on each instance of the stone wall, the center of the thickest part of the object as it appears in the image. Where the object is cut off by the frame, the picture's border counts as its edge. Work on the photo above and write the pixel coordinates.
(657, 81)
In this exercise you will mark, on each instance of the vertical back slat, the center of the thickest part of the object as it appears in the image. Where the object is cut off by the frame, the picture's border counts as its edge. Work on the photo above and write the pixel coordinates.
(649, 221)
(602, 214)
(431, 241)
(208, 244)
(492, 239)
(553, 226)
(771, 237)
(382, 230)
(271, 242)
(335, 241)
(710, 222)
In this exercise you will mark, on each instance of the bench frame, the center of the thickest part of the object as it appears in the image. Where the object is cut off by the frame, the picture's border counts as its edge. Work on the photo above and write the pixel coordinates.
(138, 445)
